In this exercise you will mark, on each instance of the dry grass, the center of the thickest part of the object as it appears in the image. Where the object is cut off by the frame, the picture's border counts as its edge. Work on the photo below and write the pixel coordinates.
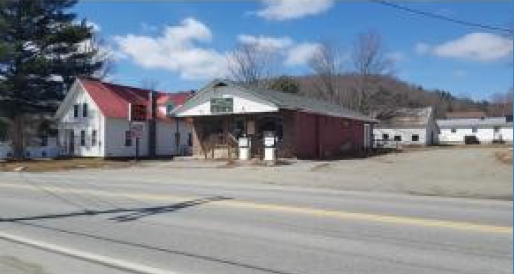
(61, 164)
(504, 156)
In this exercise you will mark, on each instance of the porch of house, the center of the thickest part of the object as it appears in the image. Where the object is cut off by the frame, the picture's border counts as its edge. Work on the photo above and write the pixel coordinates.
(216, 137)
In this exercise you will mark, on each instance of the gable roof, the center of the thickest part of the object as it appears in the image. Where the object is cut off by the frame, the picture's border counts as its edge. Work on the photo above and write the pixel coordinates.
(407, 118)
(113, 100)
(289, 101)
(486, 122)
(465, 114)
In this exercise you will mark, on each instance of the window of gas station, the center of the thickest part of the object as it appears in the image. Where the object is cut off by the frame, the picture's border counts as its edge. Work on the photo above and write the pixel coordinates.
(273, 124)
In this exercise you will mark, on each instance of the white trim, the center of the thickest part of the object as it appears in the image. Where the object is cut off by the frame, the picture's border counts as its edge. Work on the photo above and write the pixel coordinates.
(86, 256)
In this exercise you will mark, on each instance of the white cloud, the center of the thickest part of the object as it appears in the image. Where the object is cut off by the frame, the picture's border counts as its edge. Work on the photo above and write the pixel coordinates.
(294, 54)
(422, 48)
(301, 54)
(145, 27)
(178, 49)
(396, 56)
(266, 42)
(96, 27)
(478, 46)
(280, 10)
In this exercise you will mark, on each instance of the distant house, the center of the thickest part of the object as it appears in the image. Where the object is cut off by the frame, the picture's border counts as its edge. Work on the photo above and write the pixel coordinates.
(407, 126)
(93, 121)
(39, 138)
(223, 112)
(484, 129)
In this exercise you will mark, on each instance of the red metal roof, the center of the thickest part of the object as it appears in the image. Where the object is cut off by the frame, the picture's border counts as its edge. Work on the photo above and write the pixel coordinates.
(113, 100)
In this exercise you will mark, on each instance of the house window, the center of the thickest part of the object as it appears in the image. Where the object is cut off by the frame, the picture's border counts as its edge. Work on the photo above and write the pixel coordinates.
(385, 136)
(415, 137)
(496, 129)
(474, 129)
(84, 110)
(82, 137)
(190, 139)
(128, 138)
(75, 111)
(398, 138)
(44, 140)
(454, 130)
(169, 109)
(94, 138)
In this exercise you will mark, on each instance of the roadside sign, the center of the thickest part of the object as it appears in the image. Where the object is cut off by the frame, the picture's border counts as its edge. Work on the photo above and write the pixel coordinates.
(137, 129)
(222, 105)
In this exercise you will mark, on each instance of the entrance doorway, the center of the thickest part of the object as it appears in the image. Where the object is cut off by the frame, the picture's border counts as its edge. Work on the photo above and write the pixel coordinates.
(71, 143)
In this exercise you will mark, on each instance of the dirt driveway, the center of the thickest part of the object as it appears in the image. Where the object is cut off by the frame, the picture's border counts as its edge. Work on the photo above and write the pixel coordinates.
(456, 172)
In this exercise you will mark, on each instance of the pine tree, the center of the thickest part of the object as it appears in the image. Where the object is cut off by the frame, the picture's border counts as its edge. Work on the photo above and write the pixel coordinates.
(285, 84)
(42, 50)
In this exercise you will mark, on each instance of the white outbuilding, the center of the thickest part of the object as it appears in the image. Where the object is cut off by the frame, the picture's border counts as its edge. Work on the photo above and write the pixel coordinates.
(93, 121)
(406, 126)
(483, 129)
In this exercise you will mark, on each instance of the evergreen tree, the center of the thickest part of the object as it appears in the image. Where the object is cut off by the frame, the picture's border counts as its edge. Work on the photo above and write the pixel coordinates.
(285, 84)
(42, 49)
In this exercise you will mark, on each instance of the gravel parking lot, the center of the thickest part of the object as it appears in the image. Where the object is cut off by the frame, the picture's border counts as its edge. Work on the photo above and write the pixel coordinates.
(456, 172)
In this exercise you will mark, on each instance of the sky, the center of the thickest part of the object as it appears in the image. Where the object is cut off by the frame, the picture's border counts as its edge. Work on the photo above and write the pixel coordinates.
(183, 45)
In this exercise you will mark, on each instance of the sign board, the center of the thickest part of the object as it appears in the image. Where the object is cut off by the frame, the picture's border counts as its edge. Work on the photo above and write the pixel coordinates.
(243, 142)
(222, 105)
(250, 127)
(269, 139)
(137, 130)
(137, 112)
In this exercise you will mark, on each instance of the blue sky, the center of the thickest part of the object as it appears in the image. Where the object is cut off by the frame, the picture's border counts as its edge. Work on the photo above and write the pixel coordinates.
(183, 45)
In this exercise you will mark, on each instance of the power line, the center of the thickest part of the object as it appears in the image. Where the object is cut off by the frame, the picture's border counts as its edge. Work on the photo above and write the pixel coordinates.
(442, 17)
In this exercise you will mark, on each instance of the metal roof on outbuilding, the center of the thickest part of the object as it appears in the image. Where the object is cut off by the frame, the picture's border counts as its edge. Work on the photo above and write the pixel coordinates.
(478, 122)
(406, 118)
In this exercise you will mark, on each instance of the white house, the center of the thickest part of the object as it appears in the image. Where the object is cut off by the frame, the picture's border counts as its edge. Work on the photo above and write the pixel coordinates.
(407, 126)
(39, 138)
(485, 129)
(93, 121)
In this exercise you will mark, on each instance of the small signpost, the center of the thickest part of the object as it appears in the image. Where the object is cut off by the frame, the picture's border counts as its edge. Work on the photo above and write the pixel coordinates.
(137, 129)
(137, 117)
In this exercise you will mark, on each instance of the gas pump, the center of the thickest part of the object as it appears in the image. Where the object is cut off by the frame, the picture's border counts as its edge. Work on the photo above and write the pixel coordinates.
(270, 146)
(244, 147)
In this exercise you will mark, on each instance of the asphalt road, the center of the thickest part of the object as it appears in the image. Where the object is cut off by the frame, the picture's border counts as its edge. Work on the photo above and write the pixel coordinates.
(86, 223)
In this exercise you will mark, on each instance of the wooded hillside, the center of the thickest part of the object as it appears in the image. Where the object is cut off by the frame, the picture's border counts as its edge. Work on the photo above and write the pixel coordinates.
(387, 93)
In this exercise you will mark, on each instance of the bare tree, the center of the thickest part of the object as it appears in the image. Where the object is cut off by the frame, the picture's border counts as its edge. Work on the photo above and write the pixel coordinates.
(501, 103)
(369, 60)
(252, 65)
(327, 66)
(106, 55)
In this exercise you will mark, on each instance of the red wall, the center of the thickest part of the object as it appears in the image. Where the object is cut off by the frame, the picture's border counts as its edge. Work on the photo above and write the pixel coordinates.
(323, 136)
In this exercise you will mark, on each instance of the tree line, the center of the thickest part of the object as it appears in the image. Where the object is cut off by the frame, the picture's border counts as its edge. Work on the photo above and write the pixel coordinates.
(367, 84)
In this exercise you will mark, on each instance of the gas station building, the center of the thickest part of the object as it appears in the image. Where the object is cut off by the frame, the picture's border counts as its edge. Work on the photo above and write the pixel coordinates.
(228, 119)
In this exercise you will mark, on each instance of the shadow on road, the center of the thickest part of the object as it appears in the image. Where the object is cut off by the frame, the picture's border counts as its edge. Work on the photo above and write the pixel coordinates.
(129, 214)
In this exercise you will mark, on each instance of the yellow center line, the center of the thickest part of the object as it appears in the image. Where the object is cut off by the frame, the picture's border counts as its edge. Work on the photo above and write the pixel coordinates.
(342, 215)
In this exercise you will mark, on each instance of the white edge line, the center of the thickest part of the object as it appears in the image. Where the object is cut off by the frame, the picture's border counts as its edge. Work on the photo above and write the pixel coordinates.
(103, 260)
